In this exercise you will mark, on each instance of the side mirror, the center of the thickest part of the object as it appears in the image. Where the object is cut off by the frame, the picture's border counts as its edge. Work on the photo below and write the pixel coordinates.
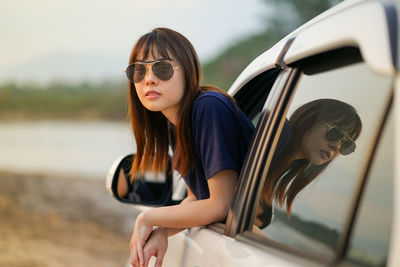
(148, 189)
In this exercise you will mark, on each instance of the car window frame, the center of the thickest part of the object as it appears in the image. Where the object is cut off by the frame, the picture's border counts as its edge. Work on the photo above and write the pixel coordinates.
(245, 100)
(248, 180)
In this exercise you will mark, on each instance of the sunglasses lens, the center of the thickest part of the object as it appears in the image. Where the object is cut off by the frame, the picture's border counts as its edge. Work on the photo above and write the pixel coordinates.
(347, 147)
(163, 70)
(334, 134)
(129, 72)
(139, 72)
(135, 72)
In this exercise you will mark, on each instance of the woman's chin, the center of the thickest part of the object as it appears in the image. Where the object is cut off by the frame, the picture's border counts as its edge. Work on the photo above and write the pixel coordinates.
(318, 161)
(152, 108)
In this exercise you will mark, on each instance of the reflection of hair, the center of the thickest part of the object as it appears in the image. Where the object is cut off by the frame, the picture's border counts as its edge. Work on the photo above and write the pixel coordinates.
(287, 177)
(151, 128)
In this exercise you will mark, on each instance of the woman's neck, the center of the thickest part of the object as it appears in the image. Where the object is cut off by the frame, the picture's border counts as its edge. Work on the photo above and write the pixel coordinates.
(297, 155)
(171, 115)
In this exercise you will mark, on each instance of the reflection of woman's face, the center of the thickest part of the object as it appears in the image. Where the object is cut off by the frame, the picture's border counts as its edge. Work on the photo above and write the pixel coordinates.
(316, 148)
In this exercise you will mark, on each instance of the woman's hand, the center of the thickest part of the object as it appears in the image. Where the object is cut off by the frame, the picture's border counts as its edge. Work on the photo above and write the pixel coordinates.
(156, 246)
(140, 235)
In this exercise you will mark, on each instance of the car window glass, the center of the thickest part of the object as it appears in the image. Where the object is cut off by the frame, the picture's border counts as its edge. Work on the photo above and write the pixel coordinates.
(371, 237)
(308, 168)
(251, 97)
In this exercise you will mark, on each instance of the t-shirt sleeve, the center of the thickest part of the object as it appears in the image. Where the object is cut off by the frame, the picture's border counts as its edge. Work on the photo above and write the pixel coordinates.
(215, 135)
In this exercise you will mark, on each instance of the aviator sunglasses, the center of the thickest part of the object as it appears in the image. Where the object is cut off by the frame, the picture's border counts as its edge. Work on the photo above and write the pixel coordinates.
(162, 69)
(335, 134)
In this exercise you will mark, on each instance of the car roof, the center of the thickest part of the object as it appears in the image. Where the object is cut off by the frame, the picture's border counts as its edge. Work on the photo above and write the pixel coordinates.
(333, 28)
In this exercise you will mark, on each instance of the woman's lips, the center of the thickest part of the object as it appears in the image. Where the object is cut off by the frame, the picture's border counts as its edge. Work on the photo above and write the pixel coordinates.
(325, 154)
(152, 95)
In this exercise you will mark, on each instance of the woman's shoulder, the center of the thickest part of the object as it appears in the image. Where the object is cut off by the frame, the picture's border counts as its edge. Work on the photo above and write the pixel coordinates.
(214, 100)
(286, 134)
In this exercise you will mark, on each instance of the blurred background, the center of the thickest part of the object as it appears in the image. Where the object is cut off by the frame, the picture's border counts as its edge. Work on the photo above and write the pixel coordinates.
(63, 109)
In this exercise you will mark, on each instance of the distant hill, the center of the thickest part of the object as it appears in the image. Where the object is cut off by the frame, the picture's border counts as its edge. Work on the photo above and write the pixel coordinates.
(78, 101)
(69, 67)
(314, 230)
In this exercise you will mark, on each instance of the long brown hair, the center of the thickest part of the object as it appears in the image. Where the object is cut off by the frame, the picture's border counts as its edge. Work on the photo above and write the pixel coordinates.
(151, 128)
(287, 177)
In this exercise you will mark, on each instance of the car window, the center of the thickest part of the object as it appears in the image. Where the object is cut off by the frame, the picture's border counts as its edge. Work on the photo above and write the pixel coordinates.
(371, 237)
(327, 131)
(251, 97)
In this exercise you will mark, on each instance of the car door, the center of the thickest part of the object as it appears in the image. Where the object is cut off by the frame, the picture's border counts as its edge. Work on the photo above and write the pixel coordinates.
(322, 216)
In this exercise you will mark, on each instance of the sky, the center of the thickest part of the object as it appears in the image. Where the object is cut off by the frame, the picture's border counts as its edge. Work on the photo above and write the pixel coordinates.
(44, 40)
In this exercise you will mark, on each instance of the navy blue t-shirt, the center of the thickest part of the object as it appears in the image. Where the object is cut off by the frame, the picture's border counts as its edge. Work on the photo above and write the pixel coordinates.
(222, 135)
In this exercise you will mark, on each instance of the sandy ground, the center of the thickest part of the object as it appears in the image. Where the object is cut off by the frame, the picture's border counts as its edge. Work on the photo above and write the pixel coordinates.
(56, 221)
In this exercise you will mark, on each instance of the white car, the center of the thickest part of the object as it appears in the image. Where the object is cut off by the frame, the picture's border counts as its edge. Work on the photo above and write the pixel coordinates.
(350, 214)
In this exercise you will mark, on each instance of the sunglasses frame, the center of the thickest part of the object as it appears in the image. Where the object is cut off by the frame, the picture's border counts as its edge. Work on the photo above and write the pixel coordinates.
(148, 64)
(345, 137)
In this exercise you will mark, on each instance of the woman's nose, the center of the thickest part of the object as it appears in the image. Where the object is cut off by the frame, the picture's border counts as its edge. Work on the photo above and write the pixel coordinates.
(149, 77)
(334, 145)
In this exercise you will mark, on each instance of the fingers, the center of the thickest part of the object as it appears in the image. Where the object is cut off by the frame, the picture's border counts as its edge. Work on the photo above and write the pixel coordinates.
(160, 258)
(140, 252)
(137, 243)
(159, 255)
(146, 260)
(134, 257)
(134, 260)
(147, 256)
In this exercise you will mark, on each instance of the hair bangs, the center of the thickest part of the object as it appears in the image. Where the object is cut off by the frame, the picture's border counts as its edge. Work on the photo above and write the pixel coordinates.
(350, 124)
(153, 45)
(346, 118)
(338, 113)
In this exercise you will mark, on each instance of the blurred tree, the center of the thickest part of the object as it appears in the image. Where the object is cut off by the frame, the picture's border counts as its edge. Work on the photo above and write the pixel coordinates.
(283, 17)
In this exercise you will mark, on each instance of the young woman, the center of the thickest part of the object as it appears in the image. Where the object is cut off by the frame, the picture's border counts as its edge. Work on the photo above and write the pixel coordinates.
(207, 131)
(316, 133)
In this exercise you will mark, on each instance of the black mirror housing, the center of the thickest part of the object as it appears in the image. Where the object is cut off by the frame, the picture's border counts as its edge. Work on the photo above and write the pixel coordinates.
(148, 189)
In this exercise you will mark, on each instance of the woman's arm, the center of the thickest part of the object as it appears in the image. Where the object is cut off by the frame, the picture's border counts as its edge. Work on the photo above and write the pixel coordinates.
(172, 231)
(157, 243)
(199, 212)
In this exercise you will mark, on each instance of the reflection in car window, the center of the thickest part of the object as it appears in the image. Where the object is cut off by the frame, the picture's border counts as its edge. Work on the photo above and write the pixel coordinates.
(316, 133)
(371, 238)
(309, 213)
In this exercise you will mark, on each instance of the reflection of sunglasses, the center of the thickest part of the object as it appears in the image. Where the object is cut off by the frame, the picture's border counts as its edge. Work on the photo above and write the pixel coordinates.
(335, 134)
(162, 69)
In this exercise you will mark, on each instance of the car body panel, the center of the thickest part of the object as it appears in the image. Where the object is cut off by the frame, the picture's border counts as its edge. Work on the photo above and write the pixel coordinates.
(394, 255)
(232, 252)
(205, 247)
(176, 250)
(200, 246)
(341, 30)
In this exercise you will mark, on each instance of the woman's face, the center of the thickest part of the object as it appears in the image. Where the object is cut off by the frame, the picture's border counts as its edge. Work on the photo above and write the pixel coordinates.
(159, 95)
(316, 148)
